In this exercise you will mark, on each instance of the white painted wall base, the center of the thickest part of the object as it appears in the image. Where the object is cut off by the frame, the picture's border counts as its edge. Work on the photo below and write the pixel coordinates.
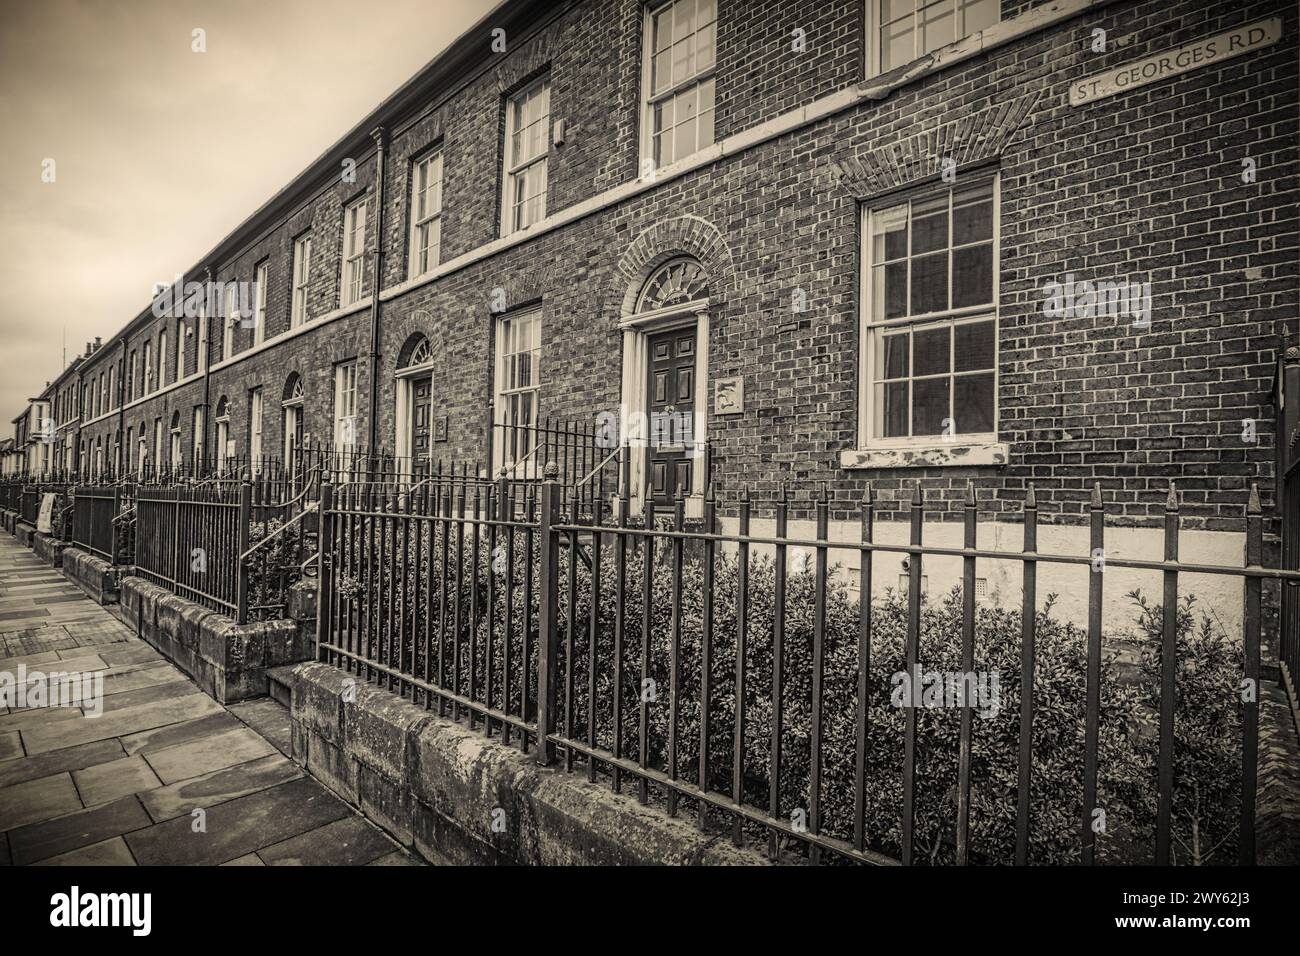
(1219, 596)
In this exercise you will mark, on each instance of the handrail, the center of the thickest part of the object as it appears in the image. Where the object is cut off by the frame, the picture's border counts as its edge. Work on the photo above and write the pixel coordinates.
(595, 471)
(310, 509)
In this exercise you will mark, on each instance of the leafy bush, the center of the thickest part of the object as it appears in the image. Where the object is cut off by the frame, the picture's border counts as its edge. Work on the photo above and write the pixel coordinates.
(409, 577)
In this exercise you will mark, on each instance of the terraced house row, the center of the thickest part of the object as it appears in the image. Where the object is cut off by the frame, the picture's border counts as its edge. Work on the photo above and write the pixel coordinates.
(853, 242)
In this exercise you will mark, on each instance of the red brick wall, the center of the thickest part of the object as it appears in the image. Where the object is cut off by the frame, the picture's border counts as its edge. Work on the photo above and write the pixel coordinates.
(1145, 185)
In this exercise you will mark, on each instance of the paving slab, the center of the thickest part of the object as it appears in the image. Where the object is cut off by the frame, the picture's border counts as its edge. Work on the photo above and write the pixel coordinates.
(37, 800)
(11, 745)
(111, 852)
(180, 687)
(40, 841)
(350, 841)
(129, 653)
(182, 797)
(9, 665)
(117, 778)
(268, 718)
(248, 859)
(398, 858)
(19, 717)
(58, 761)
(159, 737)
(238, 827)
(207, 754)
(118, 723)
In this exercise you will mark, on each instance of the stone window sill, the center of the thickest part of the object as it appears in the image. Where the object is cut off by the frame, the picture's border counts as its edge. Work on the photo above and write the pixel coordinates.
(938, 455)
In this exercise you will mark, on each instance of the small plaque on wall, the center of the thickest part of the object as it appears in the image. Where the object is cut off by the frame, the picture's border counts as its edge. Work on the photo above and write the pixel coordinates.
(729, 396)
(440, 428)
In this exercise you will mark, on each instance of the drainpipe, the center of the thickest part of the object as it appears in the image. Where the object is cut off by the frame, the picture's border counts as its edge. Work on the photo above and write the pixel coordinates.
(206, 345)
(380, 136)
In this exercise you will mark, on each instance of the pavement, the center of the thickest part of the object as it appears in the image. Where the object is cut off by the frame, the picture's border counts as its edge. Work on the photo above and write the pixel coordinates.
(163, 775)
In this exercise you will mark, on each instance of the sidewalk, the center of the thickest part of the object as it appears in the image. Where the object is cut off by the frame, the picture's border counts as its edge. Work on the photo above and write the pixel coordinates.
(165, 775)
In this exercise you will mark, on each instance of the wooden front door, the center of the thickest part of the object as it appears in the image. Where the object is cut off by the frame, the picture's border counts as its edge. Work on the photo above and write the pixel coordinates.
(421, 400)
(670, 406)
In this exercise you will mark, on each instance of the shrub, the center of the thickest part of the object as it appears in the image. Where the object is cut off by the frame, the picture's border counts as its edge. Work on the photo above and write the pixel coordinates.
(1207, 720)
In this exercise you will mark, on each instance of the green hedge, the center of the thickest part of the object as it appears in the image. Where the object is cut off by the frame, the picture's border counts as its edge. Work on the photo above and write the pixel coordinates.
(1208, 719)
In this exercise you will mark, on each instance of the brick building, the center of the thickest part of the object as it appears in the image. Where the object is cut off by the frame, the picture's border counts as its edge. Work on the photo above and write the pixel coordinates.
(841, 241)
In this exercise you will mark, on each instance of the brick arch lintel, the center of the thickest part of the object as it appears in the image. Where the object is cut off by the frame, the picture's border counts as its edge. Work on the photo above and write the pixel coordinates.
(977, 137)
(668, 239)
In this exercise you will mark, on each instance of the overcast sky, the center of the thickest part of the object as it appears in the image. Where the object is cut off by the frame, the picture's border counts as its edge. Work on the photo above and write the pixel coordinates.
(159, 151)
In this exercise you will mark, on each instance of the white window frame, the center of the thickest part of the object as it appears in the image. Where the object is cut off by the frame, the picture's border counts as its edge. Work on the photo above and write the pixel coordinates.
(426, 219)
(650, 99)
(513, 170)
(301, 278)
(404, 405)
(867, 327)
(875, 54)
(198, 439)
(528, 467)
(353, 281)
(158, 443)
(290, 416)
(201, 346)
(146, 368)
(259, 311)
(228, 322)
(256, 418)
(162, 359)
(177, 456)
(180, 349)
(345, 404)
(223, 440)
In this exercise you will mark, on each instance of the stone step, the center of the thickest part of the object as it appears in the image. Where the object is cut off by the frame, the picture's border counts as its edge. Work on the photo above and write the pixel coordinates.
(278, 684)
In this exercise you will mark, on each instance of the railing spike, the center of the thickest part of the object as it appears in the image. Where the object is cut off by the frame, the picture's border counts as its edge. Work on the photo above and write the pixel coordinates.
(1252, 503)
(970, 492)
(1096, 495)
(1031, 499)
(1171, 500)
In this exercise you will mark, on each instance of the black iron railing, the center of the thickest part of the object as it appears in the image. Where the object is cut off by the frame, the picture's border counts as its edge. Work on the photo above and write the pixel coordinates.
(95, 509)
(742, 674)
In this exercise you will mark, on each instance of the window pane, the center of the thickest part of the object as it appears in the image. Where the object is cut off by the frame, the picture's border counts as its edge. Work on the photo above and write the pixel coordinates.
(974, 346)
(930, 351)
(977, 15)
(937, 26)
(930, 225)
(890, 237)
(890, 291)
(973, 401)
(972, 276)
(930, 405)
(972, 221)
(897, 45)
(930, 283)
(891, 356)
(891, 410)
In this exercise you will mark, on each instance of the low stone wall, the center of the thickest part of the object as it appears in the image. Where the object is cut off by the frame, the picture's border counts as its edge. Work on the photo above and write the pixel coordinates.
(227, 660)
(92, 574)
(49, 549)
(24, 532)
(8, 519)
(448, 792)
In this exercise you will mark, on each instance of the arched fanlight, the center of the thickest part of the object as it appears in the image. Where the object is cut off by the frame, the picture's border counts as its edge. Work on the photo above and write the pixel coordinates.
(674, 283)
(292, 389)
(418, 353)
(221, 407)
